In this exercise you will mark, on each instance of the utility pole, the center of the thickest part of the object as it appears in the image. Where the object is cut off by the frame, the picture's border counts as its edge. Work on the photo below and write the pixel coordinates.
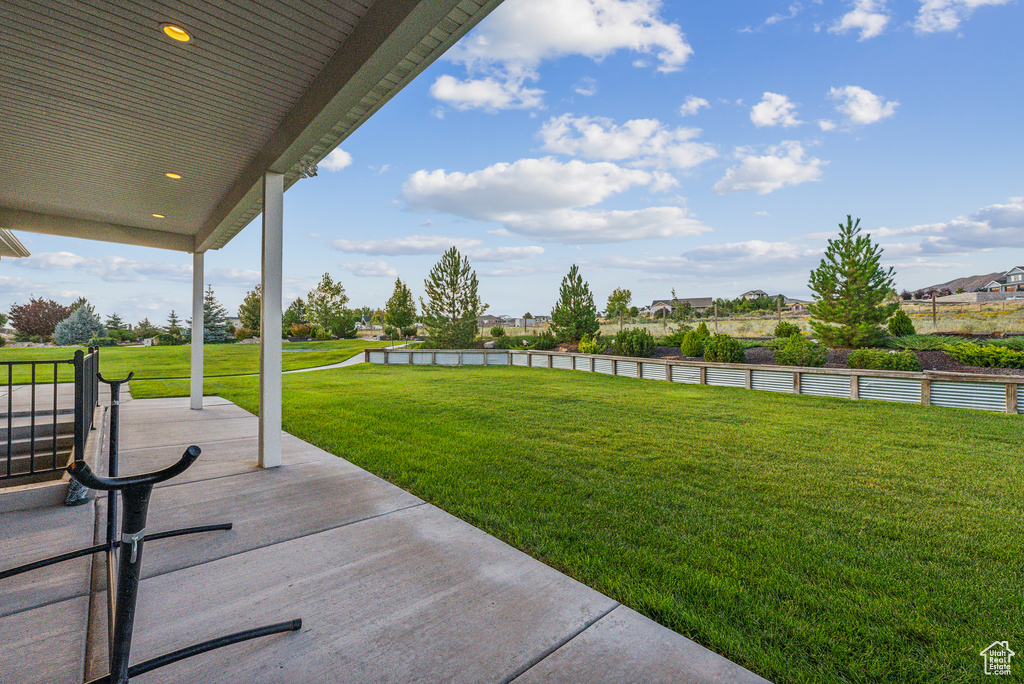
(716, 318)
(933, 311)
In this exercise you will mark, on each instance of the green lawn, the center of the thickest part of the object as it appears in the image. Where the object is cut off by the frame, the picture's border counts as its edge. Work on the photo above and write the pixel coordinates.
(808, 539)
(173, 362)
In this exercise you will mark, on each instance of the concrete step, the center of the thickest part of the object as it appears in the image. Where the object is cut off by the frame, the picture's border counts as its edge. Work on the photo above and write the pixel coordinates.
(21, 428)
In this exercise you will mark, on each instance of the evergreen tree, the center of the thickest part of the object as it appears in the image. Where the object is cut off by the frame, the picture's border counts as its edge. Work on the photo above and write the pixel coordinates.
(618, 304)
(294, 315)
(215, 319)
(250, 310)
(114, 322)
(78, 328)
(400, 311)
(82, 301)
(851, 291)
(146, 329)
(173, 324)
(325, 306)
(453, 302)
(575, 314)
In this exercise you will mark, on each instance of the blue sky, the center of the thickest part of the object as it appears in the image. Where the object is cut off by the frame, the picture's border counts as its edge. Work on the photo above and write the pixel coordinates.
(708, 147)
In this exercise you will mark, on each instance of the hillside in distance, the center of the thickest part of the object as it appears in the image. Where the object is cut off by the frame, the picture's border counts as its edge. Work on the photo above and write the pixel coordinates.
(968, 284)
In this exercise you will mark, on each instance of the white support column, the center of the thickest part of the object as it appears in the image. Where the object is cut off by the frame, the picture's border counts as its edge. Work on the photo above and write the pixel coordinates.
(196, 366)
(270, 322)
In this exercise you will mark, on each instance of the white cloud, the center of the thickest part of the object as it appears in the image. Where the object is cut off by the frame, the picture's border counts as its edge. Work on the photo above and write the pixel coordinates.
(826, 124)
(489, 93)
(370, 269)
(235, 276)
(946, 15)
(404, 246)
(586, 87)
(860, 106)
(336, 160)
(109, 268)
(993, 227)
(867, 16)
(507, 48)
(505, 254)
(525, 186)
(724, 261)
(571, 226)
(692, 105)
(784, 165)
(642, 142)
(774, 110)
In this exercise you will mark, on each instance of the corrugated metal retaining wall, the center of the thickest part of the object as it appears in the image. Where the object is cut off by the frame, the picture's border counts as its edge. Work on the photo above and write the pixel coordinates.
(981, 392)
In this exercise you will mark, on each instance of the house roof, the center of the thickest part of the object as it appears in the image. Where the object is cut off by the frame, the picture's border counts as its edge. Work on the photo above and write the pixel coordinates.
(694, 301)
(99, 104)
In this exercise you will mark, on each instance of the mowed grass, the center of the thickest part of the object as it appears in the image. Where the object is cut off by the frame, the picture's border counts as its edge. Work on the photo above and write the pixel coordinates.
(173, 362)
(808, 539)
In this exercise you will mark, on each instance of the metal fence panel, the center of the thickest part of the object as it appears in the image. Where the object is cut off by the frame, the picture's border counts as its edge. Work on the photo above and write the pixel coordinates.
(538, 360)
(422, 358)
(820, 385)
(496, 359)
(727, 377)
(628, 369)
(890, 389)
(973, 395)
(447, 358)
(470, 358)
(603, 366)
(583, 364)
(563, 362)
(772, 381)
(398, 357)
(376, 357)
(653, 371)
(686, 374)
(520, 359)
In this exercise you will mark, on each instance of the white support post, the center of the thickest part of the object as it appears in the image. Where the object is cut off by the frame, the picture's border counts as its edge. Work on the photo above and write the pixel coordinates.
(270, 321)
(196, 365)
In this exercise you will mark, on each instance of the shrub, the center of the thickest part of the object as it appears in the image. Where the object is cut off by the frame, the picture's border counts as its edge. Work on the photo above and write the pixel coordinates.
(546, 340)
(321, 334)
(923, 342)
(514, 342)
(299, 330)
(243, 333)
(675, 339)
(168, 340)
(635, 342)
(723, 349)
(989, 356)
(900, 324)
(102, 342)
(694, 341)
(497, 331)
(800, 351)
(410, 331)
(882, 359)
(78, 328)
(592, 346)
(784, 329)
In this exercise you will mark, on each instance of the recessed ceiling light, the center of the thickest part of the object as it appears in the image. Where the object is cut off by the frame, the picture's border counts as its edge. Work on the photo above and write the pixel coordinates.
(175, 176)
(158, 216)
(176, 32)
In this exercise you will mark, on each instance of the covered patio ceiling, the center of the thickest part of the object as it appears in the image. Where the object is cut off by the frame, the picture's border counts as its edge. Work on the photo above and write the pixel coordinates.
(100, 106)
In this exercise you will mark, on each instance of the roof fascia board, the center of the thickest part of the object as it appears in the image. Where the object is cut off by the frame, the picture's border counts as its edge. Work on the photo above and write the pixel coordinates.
(386, 35)
(66, 226)
(10, 245)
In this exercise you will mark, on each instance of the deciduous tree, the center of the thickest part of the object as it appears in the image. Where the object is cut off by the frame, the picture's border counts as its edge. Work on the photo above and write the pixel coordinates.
(618, 303)
(251, 309)
(38, 317)
(400, 311)
(325, 306)
(853, 293)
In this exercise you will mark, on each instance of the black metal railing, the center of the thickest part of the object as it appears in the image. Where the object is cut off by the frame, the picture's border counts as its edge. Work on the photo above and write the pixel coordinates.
(35, 442)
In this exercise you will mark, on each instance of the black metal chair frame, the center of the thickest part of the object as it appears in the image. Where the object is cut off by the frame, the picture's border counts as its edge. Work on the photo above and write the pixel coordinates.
(136, 491)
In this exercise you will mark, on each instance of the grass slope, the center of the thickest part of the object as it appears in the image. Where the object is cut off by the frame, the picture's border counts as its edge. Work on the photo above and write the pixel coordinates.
(809, 539)
(173, 362)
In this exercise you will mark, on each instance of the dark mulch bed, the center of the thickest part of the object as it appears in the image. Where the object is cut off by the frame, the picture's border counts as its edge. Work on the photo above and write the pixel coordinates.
(930, 360)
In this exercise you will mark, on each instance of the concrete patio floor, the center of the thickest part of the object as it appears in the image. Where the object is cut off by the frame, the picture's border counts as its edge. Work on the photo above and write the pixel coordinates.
(389, 588)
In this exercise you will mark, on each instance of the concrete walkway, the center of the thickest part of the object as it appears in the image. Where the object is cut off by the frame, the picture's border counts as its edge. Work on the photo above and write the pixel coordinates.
(389, 588)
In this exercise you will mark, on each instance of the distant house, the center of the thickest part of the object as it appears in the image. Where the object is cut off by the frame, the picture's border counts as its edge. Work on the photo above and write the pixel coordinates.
(487, 321)
(1011, 281)
(753, 294)
(698, 304)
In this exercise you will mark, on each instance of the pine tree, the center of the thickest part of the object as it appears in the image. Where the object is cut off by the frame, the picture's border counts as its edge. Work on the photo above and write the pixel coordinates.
(618, 304)
(400, 311)
(78, 328)
(453, 302)
(146, 329)
(854, 295)
(114, 322)
(325, 306)
(215, 318)
(251, 309)
(575, 314)
(173, 324)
